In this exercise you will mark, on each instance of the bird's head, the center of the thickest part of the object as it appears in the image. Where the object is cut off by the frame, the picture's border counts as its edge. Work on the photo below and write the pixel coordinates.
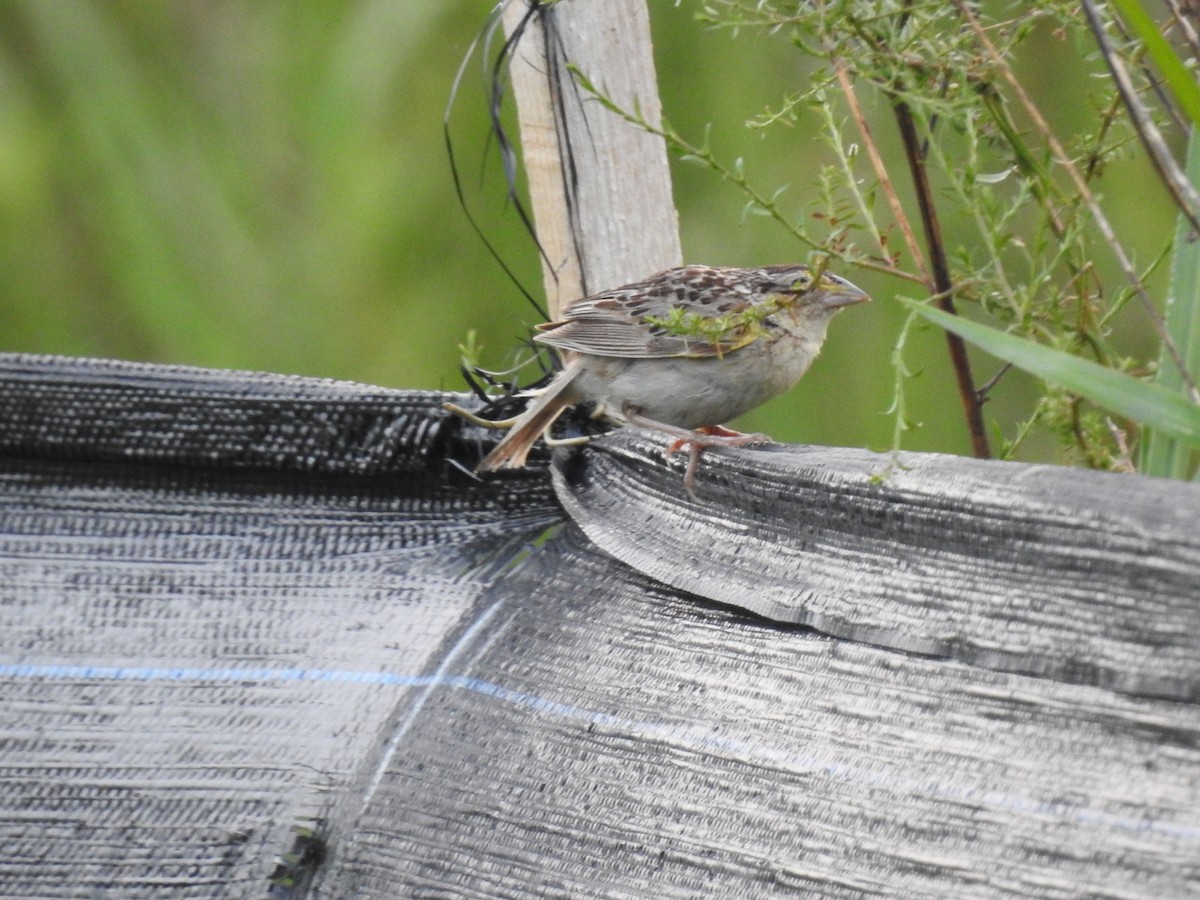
(797, 288)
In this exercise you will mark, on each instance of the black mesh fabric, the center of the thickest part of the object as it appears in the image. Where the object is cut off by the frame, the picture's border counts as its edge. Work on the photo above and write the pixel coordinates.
(263, 636)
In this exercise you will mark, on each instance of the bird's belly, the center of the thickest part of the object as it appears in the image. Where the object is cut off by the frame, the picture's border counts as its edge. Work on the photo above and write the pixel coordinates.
(690, 392)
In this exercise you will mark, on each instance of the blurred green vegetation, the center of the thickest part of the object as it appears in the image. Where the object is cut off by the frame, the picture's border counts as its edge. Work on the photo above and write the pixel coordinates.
(263, 185)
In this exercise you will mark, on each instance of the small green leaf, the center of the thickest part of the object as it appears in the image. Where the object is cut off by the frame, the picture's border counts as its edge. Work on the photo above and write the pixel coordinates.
(470, 351)
(993, 177)
(1149, 404)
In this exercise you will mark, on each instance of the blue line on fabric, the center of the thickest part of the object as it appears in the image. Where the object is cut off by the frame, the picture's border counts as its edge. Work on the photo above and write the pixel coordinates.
(175, 673)
(689, 735)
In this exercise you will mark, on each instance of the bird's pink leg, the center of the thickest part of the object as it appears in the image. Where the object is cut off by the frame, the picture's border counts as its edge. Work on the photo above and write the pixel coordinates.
(696, 441)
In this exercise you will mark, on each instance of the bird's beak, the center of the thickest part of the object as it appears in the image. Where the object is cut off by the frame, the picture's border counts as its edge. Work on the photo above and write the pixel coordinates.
(841, 292)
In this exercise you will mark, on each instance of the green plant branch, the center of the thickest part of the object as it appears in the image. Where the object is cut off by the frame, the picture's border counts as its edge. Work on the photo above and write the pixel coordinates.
(737, 177)
(899, 408)
(988, 233)
(1181, 190)
(881, 172)
(1123, 394)
(1089, 199)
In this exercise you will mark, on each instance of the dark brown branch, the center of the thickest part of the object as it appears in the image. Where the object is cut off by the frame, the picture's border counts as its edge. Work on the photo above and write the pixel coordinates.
(942, 282)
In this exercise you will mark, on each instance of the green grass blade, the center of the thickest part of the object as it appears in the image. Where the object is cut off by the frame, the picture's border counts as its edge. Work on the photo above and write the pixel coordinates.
(1178, 77)
(1161, 453)
(1149, 404)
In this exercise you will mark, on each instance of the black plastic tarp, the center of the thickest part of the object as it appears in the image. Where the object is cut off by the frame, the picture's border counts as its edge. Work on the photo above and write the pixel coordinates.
(264, 636)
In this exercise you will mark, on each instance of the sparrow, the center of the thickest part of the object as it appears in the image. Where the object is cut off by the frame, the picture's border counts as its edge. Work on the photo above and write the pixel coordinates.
(679, 353)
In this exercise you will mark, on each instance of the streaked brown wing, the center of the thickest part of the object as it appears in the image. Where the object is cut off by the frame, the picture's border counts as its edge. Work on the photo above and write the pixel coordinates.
(614, 324)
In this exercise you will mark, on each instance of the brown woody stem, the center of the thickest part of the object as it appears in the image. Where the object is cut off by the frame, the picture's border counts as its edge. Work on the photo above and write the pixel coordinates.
(942, 282)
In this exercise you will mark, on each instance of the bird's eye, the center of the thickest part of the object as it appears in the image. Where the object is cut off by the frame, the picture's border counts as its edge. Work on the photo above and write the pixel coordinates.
(802, 283)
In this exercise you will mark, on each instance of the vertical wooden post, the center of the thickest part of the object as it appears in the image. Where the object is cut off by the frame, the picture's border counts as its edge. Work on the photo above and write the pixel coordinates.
(600, 187)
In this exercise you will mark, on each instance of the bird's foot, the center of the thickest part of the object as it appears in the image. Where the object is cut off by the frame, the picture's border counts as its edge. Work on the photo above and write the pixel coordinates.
(696, 442)
(710, 436)
(720, 436)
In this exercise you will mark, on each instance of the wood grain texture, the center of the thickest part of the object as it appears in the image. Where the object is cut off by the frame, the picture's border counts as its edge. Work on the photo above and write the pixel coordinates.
(1082, 577)
(600, 187)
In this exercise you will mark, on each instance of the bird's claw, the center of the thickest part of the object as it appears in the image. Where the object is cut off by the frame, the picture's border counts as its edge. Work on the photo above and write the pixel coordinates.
(710, 436)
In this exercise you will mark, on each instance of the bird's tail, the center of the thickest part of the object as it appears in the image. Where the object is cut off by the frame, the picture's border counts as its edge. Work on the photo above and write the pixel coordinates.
(514, 447)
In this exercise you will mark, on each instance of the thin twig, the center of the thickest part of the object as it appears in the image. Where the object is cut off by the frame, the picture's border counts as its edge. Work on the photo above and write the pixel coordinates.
(1153, 81)
(1107, 118)
(1101, 220)
(881, 173)
(986, 387)
(1169, 173)
(1185, 26)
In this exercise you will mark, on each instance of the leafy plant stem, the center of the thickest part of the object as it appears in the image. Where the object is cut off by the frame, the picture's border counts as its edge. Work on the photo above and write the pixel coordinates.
(1101, 220)
(1151, 404)
(735, 176)
(881, 173)
(1169, 173)
(899, 408)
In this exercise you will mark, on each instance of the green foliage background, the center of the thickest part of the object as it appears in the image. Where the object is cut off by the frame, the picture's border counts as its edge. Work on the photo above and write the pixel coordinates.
(263, 185)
